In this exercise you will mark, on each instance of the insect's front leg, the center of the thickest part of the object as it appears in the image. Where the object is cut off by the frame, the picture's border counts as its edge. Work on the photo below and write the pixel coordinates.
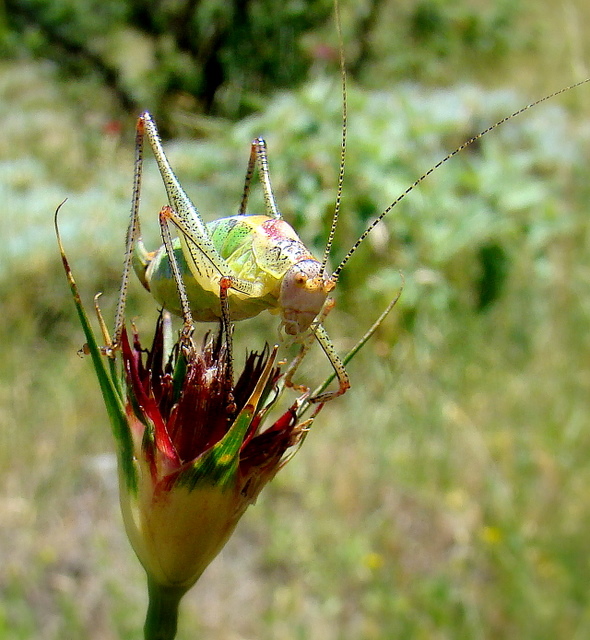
(337, 364)
(305, 345)
(317, 330)
(294, 365)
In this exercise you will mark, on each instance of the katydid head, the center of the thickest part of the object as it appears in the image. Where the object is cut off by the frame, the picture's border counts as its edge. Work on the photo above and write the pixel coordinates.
(304, 291)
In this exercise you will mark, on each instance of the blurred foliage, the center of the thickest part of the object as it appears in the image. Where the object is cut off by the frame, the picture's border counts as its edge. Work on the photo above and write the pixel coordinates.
(212, 56)
(457, 465)
(224, 58)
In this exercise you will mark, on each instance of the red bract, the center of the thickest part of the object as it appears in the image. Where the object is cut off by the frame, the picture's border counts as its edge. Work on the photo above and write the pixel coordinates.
(184, 404)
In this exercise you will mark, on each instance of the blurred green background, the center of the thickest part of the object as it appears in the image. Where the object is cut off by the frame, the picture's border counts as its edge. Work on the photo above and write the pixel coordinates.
(446, 495)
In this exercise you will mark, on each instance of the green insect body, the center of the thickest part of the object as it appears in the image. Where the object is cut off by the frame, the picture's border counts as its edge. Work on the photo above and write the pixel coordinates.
(258, 249)
(231, 268)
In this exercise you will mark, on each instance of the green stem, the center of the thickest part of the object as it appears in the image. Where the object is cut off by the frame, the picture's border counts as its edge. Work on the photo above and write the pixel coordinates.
(162, 614)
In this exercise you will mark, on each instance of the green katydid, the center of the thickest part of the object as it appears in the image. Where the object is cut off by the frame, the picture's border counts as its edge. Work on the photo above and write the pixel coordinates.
(233, 268)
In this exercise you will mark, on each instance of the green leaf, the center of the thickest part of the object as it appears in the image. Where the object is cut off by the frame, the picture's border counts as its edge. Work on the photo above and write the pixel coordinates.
(109, 385)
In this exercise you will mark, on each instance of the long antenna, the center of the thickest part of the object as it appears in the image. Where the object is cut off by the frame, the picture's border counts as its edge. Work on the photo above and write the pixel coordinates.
(423, 177)
(343, 143)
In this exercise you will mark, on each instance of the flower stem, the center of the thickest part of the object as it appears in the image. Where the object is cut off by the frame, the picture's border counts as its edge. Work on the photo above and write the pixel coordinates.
(162, 614)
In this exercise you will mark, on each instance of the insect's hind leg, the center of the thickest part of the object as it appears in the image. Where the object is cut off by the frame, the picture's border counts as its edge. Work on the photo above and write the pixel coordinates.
(259, 158)
(165, 215)
(133, 234)
(225, 284)
(248, 180)
(226, 325)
